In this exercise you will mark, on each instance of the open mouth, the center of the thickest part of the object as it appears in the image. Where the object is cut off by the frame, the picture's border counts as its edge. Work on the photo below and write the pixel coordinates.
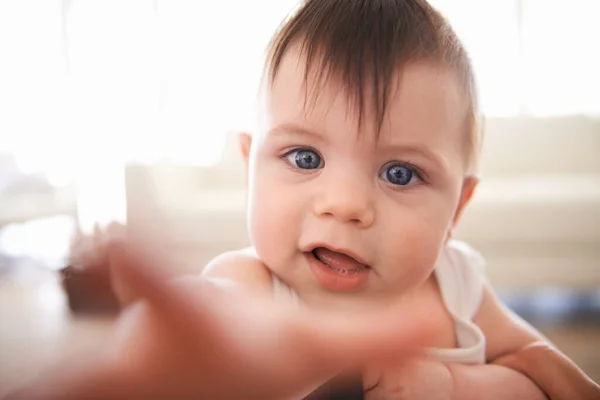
(339, 261)
(337, 270)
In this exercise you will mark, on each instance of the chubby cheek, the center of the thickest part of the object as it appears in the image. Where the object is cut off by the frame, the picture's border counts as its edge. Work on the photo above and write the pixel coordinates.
(419, 233)
(274, 218)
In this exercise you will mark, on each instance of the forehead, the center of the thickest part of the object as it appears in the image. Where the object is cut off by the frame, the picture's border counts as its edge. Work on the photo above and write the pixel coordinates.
(426, 104)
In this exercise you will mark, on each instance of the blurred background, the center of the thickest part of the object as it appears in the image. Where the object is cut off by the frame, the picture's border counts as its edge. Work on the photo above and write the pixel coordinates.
(105, 104)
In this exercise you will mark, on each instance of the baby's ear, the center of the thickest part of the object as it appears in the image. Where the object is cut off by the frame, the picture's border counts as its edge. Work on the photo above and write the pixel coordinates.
(468, 188)
(245, 140)
(245, 143)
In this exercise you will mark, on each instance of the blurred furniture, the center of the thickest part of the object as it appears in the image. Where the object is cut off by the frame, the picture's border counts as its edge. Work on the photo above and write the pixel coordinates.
(25, 197)
(23, 207)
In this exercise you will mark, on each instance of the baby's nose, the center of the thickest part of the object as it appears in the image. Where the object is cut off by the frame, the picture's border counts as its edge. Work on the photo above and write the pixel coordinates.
(348, 201)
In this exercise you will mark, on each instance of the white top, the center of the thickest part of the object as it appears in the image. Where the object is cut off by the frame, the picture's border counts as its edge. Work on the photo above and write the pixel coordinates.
(459, 272)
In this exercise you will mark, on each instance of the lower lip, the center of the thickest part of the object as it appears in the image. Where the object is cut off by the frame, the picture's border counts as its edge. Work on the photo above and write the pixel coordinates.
(333, 280)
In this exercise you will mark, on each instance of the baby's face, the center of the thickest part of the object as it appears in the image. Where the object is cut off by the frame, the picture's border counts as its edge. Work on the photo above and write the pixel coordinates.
(341, 214)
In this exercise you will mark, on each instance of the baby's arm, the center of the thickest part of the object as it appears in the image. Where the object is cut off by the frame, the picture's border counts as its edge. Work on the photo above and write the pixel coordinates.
(560, 377)
(506, 335)
(433, 379)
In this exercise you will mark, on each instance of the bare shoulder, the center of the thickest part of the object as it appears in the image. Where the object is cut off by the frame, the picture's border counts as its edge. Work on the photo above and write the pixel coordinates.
(242, 267)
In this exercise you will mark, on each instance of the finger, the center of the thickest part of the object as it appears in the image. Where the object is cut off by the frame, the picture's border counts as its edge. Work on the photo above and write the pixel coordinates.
(399, 332)
(314, 347)
(147, 220)
(147, 228)
(144, 274)
(325, 344)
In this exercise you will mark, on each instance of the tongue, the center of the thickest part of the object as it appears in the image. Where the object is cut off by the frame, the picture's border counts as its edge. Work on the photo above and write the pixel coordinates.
(337, 260)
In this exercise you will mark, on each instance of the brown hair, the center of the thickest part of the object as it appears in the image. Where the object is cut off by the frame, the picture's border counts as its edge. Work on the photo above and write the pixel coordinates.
(363, 43)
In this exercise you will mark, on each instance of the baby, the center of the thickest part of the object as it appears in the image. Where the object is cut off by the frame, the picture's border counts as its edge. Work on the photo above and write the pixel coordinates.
(363, 163)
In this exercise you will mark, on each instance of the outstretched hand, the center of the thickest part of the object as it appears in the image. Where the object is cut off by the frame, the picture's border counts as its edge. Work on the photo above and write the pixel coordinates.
(196, 339)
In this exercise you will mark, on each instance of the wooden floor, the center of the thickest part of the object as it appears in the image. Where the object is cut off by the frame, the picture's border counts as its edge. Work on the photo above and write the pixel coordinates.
(36, 327)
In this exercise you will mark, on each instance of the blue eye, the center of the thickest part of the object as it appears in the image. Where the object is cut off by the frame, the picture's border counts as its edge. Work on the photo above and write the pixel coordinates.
(305, 159)
(398, 174)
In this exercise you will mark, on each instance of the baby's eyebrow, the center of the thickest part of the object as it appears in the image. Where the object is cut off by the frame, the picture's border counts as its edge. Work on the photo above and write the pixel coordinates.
(420, 151)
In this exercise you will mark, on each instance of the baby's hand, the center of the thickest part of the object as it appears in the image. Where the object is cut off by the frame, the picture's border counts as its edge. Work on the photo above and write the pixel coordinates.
(412, 379)
(193, 339)
(90, 253)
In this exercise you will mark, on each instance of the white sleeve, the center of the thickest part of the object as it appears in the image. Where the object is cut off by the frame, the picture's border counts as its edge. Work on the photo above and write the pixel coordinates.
(461, 277)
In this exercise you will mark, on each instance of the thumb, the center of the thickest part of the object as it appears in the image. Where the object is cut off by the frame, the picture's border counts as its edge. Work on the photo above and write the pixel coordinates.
(348, 343)
(399, 332)
(143, 274)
